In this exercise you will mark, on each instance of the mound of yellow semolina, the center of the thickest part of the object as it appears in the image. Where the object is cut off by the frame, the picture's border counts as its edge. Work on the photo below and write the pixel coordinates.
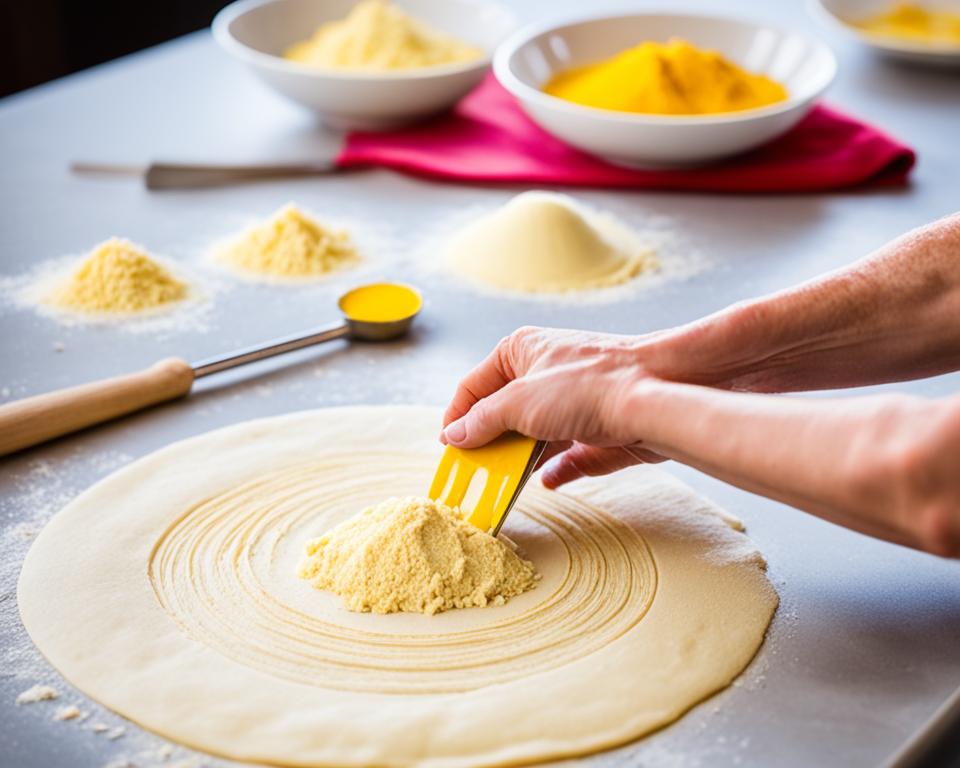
(118, 277)
(416, 555)
(541, 242)
(291, 244)
(914, 23)
(379, 37)
(674, 78)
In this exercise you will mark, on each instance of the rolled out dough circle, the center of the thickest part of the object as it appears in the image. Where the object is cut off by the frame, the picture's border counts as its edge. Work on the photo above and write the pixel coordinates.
(168, 593)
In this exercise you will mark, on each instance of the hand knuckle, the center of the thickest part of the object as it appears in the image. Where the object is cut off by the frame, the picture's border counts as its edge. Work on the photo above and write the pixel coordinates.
(480, 412)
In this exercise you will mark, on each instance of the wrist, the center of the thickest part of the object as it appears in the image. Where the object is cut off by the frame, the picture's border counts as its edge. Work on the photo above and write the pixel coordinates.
(646, 404)
(719, 350)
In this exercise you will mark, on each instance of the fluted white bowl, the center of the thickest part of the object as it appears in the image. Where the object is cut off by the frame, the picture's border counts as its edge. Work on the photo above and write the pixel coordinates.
(840, 13)
(530, 57)
(257, 32)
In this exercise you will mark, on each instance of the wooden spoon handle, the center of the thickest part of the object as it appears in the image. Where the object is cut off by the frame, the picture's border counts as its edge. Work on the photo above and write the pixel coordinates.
(34, 420)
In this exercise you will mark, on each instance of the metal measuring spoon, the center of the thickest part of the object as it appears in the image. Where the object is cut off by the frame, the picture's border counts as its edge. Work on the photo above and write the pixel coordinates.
(33, 420)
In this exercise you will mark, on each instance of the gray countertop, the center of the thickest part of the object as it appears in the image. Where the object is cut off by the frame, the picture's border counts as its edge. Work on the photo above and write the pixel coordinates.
(864, 647)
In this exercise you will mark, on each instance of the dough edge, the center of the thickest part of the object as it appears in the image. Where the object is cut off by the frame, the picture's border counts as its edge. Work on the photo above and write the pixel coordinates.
(241, 720)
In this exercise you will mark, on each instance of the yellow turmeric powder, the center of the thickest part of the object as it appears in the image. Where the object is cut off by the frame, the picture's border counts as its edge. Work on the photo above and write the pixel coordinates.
(674, 78)
(380, 303)
(913, 22)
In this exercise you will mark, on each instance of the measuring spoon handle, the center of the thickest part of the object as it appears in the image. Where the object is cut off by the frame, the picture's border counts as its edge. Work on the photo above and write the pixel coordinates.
(34, 420)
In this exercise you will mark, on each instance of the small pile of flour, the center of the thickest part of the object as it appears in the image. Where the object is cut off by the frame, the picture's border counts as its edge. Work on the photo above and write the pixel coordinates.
(416, 555)
(117, 277)
(541, 242)
(37, 693)
(69, 712)
(291, 244)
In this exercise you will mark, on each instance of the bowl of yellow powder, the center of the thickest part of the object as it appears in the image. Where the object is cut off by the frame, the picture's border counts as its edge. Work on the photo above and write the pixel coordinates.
(365, 64)
(919, 32)
(664, 89)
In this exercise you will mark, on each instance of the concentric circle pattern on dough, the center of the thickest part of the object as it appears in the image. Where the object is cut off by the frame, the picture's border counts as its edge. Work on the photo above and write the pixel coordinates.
(168, 592)
(211, 572)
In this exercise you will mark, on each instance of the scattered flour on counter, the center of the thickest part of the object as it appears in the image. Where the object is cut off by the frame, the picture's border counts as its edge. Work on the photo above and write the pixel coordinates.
(543, 242)
(37, 693)
(70, 712)
(117, 279)
(677, 256)
(291, 245)
(26, 531)
(30, 291)
(116, 733)
(156, 759)
(34, 491)
(121, 762)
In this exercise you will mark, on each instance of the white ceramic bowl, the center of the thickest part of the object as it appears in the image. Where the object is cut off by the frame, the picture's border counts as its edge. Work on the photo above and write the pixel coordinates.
(256, 32)
(840, 13)
(533, 55)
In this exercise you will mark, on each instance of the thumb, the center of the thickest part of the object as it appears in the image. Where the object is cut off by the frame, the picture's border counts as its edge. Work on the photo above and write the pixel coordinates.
(487, 419)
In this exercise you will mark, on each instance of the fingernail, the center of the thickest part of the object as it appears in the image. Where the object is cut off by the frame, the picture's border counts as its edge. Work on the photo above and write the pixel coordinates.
(455, 432)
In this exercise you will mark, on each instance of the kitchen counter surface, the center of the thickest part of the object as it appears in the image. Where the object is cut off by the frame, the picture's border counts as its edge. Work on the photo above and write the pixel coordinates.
(864, 647)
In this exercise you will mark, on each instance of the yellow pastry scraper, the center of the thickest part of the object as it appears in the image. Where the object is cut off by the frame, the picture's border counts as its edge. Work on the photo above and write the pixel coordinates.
(508, 461)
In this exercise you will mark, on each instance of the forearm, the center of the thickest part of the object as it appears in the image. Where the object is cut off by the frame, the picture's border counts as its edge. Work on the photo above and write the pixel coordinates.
(890, 317)
(884, 466)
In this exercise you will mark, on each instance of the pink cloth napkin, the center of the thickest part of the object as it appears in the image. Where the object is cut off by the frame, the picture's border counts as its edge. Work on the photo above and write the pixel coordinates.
(488, 138)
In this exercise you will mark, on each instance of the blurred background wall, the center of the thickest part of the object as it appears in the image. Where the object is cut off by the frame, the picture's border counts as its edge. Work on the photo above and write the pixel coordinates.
(46, 39)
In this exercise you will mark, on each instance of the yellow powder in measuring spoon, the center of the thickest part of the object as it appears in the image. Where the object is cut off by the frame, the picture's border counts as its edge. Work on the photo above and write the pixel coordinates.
(118, 277)
(675, 78)
(916, 23)
(291, 244)
(381, 303)
(377, 36)
(416, 555)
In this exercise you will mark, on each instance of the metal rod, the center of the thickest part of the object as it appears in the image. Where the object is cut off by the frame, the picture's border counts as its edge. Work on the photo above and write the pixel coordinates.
(538, 448)
(185, 176)
(162, 175)
(269, 349)
(108, 169)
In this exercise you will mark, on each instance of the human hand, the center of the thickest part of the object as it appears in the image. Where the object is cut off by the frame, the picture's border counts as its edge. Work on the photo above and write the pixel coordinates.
(566, 387)
(882, 465)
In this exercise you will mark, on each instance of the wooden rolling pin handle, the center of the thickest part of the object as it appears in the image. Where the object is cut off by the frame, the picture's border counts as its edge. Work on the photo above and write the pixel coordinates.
(28, 422)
